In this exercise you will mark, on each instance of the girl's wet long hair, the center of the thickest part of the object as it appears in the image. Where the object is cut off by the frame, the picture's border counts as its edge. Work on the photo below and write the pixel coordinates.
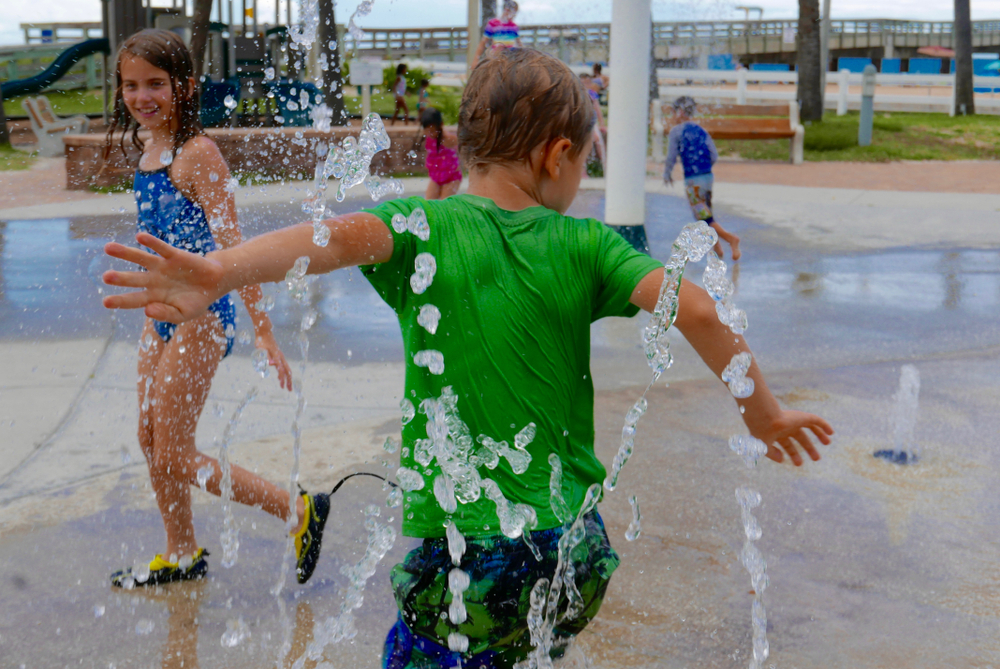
(164, 50)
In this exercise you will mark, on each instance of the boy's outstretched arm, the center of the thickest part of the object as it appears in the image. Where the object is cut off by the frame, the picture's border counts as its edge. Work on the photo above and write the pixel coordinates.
(179, 286)
(716, 345)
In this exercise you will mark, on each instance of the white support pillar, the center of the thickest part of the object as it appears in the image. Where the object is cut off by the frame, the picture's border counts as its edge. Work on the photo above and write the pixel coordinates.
(741, 87)
(845, 86)
(625, 191)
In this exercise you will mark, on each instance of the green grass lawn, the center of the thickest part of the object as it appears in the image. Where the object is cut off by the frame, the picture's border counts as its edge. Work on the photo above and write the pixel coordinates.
(444, 99)
(64, 103)
(70, 103)
(12, 159)
(895, 136)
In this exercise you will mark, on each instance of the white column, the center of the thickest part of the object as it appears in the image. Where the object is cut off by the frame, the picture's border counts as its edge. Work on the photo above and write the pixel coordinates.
(845, 85)
(625, 192)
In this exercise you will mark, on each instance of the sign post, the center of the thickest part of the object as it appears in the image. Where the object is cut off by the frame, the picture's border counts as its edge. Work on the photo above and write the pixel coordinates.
(366, 73)
(867, 106)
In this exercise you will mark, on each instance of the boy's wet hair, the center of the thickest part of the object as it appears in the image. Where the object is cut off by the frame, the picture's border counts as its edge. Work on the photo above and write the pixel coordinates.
(516, 100)
(686, 104)
(165, 50)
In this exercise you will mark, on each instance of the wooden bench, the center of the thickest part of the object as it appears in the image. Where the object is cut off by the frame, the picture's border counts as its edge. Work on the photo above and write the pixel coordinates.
(754, 122)
(49, 128)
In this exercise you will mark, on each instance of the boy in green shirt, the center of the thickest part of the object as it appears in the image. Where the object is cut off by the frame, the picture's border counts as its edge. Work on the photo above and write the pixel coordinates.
(495, 293)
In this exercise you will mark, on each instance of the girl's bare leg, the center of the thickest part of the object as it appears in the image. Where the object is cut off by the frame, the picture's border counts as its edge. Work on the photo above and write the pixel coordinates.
(395, 111)
(181, 382)
(450, 188)
(433, 191)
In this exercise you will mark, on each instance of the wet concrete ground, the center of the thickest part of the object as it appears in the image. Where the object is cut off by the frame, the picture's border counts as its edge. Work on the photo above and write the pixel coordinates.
(871, 564)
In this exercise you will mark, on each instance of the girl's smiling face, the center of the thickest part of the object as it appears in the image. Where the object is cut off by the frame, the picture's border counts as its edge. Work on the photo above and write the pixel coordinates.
(148, 93)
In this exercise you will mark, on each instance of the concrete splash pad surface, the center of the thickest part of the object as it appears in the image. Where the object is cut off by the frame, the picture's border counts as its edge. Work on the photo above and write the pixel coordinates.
(871, 564)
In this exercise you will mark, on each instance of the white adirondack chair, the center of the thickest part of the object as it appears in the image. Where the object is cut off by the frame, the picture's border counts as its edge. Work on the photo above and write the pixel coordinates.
(49, 128)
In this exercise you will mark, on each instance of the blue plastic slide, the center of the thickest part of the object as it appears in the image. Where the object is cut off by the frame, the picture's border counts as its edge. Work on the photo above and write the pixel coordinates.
(59, 67)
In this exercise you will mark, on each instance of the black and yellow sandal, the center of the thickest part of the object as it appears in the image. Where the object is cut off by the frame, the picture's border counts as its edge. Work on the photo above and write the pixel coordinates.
(162, 572)
(309, 539)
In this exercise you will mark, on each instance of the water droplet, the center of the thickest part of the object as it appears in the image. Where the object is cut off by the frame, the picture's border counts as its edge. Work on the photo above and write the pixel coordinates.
(406, 407)
(409, 479)
(166, 157)
(634, 530)
(425, 267)
(203, 474)
(432, 360)
(428, 318)
(259, 358)
(236, 632)
(230, 102)
(266, 304)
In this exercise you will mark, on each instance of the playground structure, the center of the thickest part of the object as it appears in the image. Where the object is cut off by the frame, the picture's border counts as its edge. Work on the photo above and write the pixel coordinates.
(690, 44)
(246, 62)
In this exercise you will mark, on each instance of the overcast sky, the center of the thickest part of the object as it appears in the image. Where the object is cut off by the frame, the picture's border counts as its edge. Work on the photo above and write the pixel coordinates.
(403, 13)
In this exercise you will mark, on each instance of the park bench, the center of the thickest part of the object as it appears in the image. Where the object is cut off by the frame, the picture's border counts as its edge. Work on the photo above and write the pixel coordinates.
(49, 128)
(755, 122)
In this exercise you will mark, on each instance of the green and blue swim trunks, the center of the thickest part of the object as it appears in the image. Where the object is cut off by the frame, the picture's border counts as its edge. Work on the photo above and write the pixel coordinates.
(502, 572)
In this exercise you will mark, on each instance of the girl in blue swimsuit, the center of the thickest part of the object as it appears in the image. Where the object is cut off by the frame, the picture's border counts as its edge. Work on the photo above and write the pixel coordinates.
(183, 199)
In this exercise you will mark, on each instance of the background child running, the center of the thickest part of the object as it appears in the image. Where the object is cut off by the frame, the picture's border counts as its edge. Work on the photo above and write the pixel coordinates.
(598, 131)
(518, 285)
(399, 91)
(180, 188)
(442, 162)
(500, 33)
(694, 146)
(423, 97)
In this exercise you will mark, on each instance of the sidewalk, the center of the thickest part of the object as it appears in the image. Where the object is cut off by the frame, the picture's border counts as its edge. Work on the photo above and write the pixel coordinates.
(45, 183)
(928, 176)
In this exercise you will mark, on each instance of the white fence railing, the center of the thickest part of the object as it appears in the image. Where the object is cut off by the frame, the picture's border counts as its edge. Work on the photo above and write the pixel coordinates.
(894, 92)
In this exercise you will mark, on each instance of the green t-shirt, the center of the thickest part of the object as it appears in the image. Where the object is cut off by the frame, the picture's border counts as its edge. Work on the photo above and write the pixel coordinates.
(517, 292)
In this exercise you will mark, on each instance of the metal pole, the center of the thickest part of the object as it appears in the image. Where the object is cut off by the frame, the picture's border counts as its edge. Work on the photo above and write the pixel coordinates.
(625, 195)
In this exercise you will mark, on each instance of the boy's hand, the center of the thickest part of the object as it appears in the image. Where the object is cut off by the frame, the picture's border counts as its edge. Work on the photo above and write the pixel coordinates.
(790, 431)
(177, 285)
(729, 238)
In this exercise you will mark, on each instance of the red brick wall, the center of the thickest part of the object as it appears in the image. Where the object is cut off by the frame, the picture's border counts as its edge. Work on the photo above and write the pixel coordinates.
(270, 152)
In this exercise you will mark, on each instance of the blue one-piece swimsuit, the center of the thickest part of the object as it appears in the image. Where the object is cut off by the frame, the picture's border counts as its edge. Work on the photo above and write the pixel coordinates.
(166, 214)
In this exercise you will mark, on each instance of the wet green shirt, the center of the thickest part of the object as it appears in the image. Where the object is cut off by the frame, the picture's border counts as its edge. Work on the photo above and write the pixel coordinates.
(517, 292)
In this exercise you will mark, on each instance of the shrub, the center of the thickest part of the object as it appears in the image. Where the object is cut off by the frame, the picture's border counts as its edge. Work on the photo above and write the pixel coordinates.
(831, 137)
(413, 77)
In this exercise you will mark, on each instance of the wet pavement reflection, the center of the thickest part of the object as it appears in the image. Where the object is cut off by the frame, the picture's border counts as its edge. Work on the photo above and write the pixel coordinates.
(872, 564)
(844, 305)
